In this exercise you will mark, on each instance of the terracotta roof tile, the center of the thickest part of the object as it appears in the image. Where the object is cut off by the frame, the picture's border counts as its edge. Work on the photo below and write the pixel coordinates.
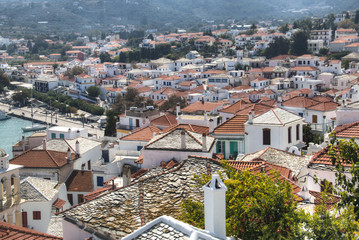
(235, 107)
(331, 201)
(143, 134)
(300, 102)
(190, 127)
(199, 106)
(325, 106)
(348, 130)
(234, 125)
(59, 203)
(11, 232)
(79, 181)
(42, 159)
(166, 120)
(304, 68)
(94, 194)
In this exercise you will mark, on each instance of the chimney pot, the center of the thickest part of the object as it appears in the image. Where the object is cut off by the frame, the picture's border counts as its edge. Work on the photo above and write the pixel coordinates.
(215, 207)
(77, 147)
(44, 144)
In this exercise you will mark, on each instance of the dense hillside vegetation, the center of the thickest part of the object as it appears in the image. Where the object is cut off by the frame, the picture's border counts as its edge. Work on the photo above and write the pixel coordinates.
(89, 14)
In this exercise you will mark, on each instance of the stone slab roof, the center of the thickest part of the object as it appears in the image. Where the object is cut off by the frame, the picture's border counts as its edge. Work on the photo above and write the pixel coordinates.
(172, 141)
(124, 210)
(38, 189)
(276, 116)
(279, 157)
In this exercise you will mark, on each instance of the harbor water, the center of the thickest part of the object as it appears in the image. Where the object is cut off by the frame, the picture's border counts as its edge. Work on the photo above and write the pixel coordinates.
(11, 133)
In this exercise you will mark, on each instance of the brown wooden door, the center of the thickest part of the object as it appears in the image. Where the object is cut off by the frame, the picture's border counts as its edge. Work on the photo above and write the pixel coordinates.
(314, 119)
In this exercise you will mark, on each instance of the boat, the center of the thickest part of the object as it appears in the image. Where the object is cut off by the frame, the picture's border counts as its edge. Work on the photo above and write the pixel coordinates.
(35, 127)
(4, 116)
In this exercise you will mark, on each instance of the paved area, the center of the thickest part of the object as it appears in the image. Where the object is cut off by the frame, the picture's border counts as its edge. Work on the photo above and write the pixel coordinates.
(62, 120)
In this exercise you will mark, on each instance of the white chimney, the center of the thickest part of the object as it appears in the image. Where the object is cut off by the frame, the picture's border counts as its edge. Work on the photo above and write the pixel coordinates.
(77, 147)
(204, 142)
(178, 109)
(183, 139)
(147, 121)
(44, 144)
(211, 125)
(250, 118)
(215, 207)
(304, 193)
(68, 154)
(205, 117)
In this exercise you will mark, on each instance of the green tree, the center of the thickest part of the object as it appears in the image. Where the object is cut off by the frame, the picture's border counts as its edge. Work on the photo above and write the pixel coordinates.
(93, 91)
(323, 51)
(172, 102)
(110, 129)
(105, 57)
(22, 97)
(4, 79)
(278, 47)
(284, 28)
(77, 70)
(257, 206)
(299, 43)
(324, 224)
(345, 158)
(346, 23)
(356, 19)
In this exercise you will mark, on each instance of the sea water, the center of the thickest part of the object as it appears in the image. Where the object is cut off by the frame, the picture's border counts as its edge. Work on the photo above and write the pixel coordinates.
(11, 133)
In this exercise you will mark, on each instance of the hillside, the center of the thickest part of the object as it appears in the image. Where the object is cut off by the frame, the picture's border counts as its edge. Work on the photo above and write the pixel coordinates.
(66, 15)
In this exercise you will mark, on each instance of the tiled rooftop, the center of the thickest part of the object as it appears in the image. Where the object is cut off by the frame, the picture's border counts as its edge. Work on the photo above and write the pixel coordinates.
(12, 232)
(144, 134)
(122, 211)
(348, 130)
(276, 116)
(80, 181)
(234, 125)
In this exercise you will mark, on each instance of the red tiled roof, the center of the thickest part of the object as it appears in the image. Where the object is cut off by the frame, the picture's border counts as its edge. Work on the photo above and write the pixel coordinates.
(190, 127)
(12, 232)
(234, 125)
(96, 193)
(79, 181)
(322, 157)
(330, 202)
(199, 106)
(59, 203)
(299, 102)
(244, 165)
(42, 159)
(143, 134)
(322, 99)
(139, 173)
(348, 130)
(325, 106)
(304, 68)
(235, 107)
(166, 120)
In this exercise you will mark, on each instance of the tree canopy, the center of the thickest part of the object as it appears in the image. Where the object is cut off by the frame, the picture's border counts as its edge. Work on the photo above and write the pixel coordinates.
(280, 46)
(299, 43)
(93, 91)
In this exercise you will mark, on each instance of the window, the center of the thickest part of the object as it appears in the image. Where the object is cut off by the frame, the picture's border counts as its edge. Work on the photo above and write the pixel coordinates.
(297, 130)
(139, 148)
(80, 198)
(221, 147)
(314, 119)
(99, 181)
(69, 197)
(53, 135)
(89, 165)
(36, 215)
(62, 136)
(289, 134)
(266, 136)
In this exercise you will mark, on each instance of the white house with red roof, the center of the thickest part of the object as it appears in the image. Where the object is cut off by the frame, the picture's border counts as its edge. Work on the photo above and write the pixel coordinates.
(308, 82)
(277, 128)
(84, 81)
(260, 83)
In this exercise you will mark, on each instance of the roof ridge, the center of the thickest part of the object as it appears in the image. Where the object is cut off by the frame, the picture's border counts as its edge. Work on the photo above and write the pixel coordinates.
(189, 133)
(69, 145)
(36, 189)
(277, 117)
(52, 158)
